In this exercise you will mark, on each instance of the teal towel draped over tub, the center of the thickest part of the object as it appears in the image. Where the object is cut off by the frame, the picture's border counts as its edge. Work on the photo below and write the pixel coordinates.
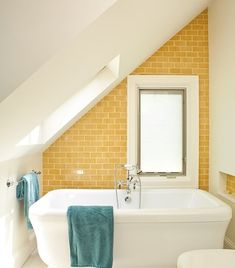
(28, 190)
(90, 236)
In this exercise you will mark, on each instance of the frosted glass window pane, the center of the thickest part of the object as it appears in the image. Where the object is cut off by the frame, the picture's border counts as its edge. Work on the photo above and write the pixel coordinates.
(161, 132)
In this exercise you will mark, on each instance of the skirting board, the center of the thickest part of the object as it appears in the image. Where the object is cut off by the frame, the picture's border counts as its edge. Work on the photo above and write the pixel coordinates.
(228, 243)
(24, 252)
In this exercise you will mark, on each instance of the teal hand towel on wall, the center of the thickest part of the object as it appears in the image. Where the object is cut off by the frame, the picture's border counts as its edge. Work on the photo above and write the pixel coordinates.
(28, 190)
(90, 236)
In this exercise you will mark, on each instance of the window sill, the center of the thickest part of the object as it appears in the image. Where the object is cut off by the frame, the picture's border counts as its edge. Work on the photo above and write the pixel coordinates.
(230, 197)
(168, 182)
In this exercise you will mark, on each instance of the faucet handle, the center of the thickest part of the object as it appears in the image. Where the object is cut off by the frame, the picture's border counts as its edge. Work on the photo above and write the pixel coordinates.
(119, 184)
(129, 167)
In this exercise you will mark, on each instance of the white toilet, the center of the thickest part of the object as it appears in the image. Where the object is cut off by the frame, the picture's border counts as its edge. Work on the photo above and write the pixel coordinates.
(207, 258)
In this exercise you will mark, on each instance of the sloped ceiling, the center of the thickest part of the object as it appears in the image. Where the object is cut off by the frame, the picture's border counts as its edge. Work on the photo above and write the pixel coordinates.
(133, 29)
(32, 31)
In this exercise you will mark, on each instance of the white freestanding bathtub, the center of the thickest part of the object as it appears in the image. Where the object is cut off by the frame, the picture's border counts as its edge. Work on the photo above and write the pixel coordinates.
(169, 222)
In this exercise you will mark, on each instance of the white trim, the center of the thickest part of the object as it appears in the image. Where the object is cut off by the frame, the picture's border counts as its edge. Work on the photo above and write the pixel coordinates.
(23, 253)
(228, 243)
(191, 83)
(226, 196)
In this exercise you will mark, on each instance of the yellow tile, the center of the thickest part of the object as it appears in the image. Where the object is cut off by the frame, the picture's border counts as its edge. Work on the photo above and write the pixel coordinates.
(98, 141)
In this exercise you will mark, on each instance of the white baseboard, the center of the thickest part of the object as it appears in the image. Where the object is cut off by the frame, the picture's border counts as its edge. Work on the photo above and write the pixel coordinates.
(228, 243)
(23, 253)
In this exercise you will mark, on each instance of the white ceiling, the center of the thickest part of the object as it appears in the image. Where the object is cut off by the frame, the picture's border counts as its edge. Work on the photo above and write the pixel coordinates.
(131, 29)
(31, 31)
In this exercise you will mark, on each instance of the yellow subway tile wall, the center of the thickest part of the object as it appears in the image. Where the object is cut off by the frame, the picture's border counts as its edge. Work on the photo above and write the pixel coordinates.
(98, 141)
(230, 184)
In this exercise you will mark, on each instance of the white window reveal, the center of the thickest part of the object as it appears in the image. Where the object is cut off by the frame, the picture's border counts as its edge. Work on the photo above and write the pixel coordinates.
(163, 129)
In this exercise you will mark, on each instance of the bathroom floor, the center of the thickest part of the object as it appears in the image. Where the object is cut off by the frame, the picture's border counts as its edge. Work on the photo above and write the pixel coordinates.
(34, 262)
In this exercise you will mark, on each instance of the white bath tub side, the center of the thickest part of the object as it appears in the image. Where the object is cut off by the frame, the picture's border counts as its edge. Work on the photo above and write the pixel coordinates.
(169, 222)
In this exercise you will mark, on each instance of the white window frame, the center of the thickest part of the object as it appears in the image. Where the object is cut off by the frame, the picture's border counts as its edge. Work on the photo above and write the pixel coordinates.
(191, 85)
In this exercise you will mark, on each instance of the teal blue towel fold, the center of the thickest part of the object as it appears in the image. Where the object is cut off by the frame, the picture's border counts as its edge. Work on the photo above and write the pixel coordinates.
(28, 190)
(90, 236)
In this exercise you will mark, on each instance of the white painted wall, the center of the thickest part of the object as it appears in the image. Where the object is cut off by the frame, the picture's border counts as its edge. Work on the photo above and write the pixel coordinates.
(222, 96)
(16, 242)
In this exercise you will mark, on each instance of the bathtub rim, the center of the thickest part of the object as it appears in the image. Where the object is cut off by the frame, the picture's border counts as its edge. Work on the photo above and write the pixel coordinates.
(220, 213)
